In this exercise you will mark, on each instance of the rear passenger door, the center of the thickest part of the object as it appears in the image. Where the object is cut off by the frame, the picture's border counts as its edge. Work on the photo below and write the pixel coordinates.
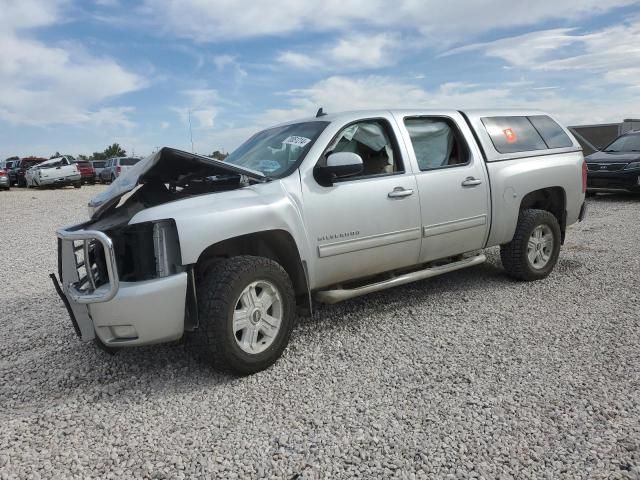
(452, 184)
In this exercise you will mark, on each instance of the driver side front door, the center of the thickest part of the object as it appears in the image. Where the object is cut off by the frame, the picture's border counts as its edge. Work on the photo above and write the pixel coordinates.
(365, 224)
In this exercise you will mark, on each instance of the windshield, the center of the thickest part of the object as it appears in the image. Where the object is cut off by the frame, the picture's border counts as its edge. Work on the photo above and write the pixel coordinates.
(276, 152)
(98, 164)
(626, 143)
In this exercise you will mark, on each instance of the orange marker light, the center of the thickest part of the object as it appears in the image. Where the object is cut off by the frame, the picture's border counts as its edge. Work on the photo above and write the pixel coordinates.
(510, 135)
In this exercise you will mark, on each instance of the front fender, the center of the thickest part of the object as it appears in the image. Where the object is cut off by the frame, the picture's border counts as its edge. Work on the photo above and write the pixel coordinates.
(209, 219)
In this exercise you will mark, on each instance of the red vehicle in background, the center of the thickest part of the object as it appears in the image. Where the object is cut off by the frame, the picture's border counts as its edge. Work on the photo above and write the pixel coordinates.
(4, 179)
(87, 172)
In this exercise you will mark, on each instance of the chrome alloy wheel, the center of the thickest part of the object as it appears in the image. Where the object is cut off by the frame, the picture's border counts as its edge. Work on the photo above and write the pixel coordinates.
(540, 247)
(257, 317)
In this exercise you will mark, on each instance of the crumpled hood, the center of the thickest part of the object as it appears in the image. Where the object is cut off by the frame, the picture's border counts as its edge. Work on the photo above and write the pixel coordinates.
(166, 165)
(604, 157)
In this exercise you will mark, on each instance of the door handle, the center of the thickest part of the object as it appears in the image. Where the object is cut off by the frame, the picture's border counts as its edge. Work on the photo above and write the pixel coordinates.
(400, 192)
(471, 182)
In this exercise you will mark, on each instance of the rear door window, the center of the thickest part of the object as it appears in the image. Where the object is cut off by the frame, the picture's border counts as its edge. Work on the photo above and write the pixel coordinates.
(435, 143)
(513, 134)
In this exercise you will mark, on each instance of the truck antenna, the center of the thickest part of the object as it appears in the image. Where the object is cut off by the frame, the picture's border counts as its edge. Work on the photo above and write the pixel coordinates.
(190, 131)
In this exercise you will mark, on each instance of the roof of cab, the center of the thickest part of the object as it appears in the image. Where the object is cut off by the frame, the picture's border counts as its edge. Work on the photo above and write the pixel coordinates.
(474, 117)
(355, 114)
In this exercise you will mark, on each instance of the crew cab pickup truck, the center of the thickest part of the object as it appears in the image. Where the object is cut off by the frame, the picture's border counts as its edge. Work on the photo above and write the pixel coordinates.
(322, 209)
(55, 172)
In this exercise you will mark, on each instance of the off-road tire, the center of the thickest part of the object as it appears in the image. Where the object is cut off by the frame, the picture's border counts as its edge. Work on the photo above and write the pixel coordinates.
(514, 254)
(218, 289)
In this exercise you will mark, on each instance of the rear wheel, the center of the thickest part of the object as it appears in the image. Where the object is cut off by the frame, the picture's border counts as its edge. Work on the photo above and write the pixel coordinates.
(246, 310)
(77, 184)
(534, 250)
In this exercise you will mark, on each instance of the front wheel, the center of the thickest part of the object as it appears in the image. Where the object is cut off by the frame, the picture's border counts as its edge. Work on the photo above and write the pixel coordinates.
(535, 247)
(246, 311)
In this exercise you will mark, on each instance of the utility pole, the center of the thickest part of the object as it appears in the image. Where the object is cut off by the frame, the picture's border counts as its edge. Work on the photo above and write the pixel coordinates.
(190, 131)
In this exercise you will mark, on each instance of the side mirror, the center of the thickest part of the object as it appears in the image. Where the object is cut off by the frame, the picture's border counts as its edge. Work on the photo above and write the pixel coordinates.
(339, 165)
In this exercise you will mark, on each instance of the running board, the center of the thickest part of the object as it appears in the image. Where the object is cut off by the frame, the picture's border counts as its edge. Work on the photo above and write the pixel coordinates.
(338, 295)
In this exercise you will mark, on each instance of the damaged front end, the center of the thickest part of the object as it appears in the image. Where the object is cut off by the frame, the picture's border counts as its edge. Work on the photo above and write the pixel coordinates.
(125, 283)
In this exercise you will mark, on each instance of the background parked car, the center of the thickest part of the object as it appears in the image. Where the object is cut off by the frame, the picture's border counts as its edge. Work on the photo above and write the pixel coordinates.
(58, 172)
(87, 172)
(616, 166)
(98, 166)
(117, 166)
(7, 166)
(20, 169)
(4, 179)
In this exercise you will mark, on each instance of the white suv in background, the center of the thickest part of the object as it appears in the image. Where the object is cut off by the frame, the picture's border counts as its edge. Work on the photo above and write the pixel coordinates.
(115, 167)
(56, 172)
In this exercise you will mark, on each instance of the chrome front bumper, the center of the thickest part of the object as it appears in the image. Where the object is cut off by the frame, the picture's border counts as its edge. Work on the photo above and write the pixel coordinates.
(119, 313)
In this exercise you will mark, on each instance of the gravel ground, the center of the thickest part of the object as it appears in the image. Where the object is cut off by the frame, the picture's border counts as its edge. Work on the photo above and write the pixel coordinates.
(463, 376)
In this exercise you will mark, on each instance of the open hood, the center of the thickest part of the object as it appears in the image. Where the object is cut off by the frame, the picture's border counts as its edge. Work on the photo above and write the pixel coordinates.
(166, 166)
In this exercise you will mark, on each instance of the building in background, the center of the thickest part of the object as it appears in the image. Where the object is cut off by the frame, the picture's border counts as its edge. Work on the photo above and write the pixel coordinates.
(596, 137)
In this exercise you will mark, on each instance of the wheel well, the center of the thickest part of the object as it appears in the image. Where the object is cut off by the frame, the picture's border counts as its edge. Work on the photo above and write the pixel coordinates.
(277, 245)
(551, 199)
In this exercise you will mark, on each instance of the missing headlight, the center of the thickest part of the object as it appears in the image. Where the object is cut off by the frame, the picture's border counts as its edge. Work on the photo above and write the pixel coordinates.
(166, 248)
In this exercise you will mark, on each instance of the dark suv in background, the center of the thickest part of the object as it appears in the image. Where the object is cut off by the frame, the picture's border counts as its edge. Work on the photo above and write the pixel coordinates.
(617, 166)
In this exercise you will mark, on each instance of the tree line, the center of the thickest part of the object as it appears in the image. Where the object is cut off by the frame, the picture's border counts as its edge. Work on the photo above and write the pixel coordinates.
(115, 150)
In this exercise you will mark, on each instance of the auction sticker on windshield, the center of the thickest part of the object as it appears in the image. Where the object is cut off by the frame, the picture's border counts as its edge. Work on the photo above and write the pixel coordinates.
(297, 141)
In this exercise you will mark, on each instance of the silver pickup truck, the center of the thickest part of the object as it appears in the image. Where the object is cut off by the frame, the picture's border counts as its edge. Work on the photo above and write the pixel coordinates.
(322, 209)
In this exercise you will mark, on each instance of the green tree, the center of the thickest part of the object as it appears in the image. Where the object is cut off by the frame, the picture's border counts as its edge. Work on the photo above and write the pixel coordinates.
(114, 150)
(82, 157)
(98, 156)
(218, 155)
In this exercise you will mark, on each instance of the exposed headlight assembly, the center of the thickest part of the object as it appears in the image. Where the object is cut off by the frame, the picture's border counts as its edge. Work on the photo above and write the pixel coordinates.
(166, 247)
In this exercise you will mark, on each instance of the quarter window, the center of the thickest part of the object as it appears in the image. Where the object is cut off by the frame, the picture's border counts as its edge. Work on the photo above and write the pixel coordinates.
(435, 143)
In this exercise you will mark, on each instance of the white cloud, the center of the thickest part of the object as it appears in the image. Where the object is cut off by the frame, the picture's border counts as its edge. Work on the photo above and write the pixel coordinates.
(340, 93)
(222, 61)
(226, 61)
(369, 51)
(207, 20)
(45, 85)
(20, 14)
(201, 106)
(299, 60)
(355, 51)
(613, 52)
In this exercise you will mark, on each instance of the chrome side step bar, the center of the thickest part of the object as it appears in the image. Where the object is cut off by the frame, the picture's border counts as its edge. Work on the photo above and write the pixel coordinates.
(338, 295)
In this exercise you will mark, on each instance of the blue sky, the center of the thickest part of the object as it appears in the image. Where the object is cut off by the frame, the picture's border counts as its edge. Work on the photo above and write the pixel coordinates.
(77, 75)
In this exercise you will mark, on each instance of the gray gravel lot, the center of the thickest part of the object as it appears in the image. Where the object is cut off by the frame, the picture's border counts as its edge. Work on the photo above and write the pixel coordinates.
(462, 376)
